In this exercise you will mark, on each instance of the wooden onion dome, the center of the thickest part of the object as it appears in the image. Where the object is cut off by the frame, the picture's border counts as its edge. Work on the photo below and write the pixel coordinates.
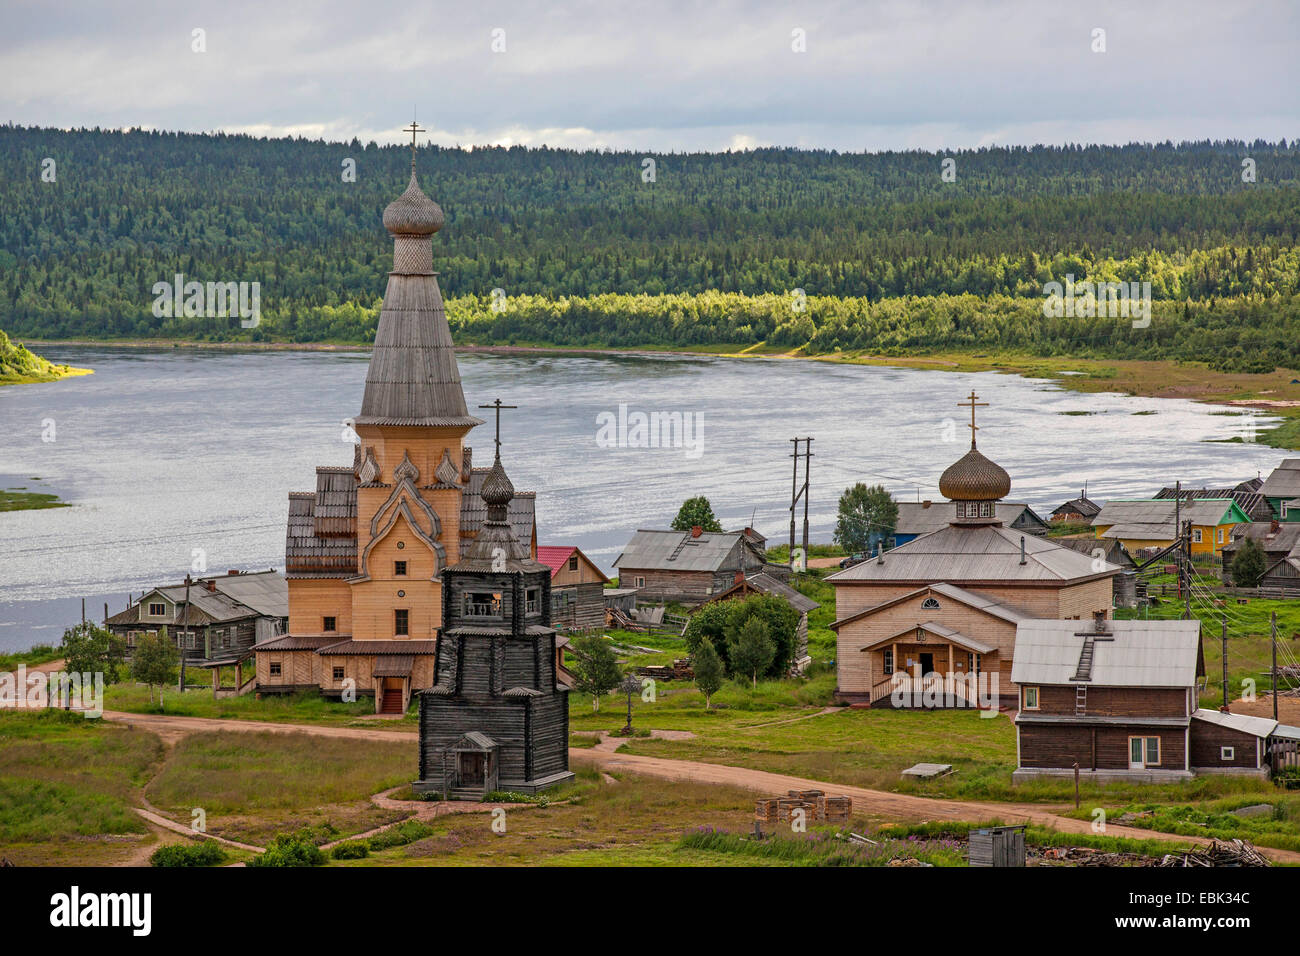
(974, 483)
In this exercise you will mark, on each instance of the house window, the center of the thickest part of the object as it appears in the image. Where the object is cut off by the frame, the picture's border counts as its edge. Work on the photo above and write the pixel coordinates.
(1031, 698)
(638, 582)
(482, 604)
(986, 509)
(929, 604)
(533, 601)
(961, 509)
(1220, 536)
(275, 668)
(157, 610)
(329, 624)
(1196, 535)
(401, 617)
(889, 660)
(399, 569)
(338, 673)
(225, 639)
(573, 562)
(560, 599)
(1227, 753)
(130, 638)
(1143, 752)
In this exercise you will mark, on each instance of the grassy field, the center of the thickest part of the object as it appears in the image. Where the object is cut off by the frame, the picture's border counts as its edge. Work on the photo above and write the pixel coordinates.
(40, 654)
(67, 786)
(300, 708)
(20, 499)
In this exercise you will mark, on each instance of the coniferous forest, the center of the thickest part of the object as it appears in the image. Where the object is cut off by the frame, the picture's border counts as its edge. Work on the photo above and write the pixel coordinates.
(890, 257)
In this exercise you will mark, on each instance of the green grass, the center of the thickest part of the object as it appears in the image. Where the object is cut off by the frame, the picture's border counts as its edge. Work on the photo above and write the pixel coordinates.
(1211, 816)
(301, 707)
(63, 776)
(15, 499)
(40, 654)
(247, 772)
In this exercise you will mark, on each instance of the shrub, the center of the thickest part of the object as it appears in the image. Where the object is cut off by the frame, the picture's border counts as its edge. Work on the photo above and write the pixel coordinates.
(290, 850)
(203, 853)
(400, 835)
(351, 850)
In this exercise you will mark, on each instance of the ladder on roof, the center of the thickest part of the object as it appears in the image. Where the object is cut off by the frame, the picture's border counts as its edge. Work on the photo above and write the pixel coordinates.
(1080, 700)
(1084, 670)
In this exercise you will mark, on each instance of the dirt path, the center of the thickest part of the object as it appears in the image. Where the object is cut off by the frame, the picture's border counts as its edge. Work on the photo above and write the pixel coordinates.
(792, 720)
(604, 757)
(878, 802)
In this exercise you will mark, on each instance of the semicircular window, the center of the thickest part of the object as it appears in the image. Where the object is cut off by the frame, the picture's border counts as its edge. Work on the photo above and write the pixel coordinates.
(930, 604)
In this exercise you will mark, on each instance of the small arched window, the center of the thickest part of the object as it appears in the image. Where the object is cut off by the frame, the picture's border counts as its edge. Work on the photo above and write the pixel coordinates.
(930, 604)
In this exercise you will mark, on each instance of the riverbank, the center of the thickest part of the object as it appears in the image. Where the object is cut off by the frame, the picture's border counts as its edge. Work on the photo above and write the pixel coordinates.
(18, 366)
(1275, 393)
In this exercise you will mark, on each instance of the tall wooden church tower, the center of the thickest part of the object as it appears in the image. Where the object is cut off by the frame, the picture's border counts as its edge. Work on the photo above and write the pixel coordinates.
(496, 717)
(365, 551)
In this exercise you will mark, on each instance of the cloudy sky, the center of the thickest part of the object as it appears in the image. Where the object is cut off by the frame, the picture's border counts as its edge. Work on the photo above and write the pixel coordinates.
(662, 75)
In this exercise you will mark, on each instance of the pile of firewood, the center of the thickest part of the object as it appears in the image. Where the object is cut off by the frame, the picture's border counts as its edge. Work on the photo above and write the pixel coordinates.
(817, 807)
(1218, 853)
(680, 670)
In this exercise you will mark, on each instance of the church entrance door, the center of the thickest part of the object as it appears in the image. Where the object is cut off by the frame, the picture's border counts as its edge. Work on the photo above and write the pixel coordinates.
(471, 769)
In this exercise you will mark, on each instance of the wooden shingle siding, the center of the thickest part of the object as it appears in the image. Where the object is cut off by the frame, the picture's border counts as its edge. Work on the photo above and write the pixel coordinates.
(1059, 747)
(1207, 739)
(1116, 701)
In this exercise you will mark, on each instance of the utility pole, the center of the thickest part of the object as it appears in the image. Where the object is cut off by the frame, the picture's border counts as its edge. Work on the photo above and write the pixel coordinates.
(807, 466)
(1224, 640)
(794, 493)
(1273, 635)
(184, 638)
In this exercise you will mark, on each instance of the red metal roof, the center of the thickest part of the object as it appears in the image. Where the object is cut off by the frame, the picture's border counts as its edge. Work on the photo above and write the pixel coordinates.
(554, 556)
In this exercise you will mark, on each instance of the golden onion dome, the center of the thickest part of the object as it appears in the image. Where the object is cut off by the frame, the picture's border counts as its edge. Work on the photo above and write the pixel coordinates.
(974, 478)
(413, 213)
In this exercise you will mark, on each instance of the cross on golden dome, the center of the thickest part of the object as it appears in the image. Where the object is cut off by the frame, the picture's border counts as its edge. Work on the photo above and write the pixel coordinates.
(413, 129)
(973, 404)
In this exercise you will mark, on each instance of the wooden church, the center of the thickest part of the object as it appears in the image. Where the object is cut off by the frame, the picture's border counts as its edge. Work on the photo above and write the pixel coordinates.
(366, 550)
(497, 717)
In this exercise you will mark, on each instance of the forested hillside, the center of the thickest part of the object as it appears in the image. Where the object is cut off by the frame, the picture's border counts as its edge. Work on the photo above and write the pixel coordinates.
(891, 257)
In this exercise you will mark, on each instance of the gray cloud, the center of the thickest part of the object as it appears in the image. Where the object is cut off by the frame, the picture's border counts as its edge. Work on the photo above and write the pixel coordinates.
(666, 76)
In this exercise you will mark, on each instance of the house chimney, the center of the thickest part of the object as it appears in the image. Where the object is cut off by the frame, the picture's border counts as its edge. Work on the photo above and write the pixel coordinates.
(880, 553)
(926, 503)
(233, 571)
(1274, 527)
(1022, 550)
(1099, 621)
(696, 531)
(212, 585)
(740, 576)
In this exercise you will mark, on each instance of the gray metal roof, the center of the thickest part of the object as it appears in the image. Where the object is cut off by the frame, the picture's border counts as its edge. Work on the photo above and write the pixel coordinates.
(915, 517)
(1154, 518)
(1081, 506)
(1252, 502)
(1111, 549)
(1141, 654)
(237, 596)
(1285, 539)
(678, 551)
(1284, 482)
(1258, 726)
(264, 591)
(975, 553)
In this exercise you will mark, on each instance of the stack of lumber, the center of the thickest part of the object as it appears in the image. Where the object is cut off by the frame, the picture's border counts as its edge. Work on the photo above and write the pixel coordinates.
(1218, 853)
(680, 670)
(817, 807)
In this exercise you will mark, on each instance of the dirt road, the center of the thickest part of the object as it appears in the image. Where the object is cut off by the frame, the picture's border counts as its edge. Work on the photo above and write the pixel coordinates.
(879, 803)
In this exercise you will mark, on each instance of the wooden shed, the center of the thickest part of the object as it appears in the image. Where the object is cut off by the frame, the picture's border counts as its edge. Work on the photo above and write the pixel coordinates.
(577, 588)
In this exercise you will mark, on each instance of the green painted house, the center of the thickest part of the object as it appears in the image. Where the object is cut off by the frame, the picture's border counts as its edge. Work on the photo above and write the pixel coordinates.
(1282, 489)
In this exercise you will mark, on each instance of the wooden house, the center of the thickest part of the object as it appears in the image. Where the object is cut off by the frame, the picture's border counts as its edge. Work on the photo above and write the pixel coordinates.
(1080, 510)
(764, 583)
(688, 566)
(1282, 489)
(1111, 552)
(916, 518)
(496, 716)
(1281, 546)
(218, 618)
(577, 588)
(365, 551)
(1119, 698)
(1146, 524)
(948, 603)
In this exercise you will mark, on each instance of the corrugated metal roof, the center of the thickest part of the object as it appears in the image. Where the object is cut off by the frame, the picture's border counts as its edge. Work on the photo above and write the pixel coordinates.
(264, 591)
(915, 518)
(237, 596)
(1081, 506)
(1141, 654)
(678, 551)
(1153, 519)
(1258, 726)
(975, 553)
(1284, 482)
(1252, 502)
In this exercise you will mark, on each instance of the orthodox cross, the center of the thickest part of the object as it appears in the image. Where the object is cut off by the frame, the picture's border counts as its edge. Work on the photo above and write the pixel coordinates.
(973, 405)
(497, 406)
(413, 129)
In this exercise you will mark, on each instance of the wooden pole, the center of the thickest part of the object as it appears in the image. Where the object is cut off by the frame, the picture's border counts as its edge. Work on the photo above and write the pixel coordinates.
(1076, 785)
(1224, 641)
(807, 463)
(1273, 636)
(185, 639)
(794, 493)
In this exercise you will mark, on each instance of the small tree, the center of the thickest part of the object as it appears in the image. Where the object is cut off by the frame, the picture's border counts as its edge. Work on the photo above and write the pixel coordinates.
(594, 667)
(89, 648)
(751, 650)
(696, 511)
(708, 671)
(867, 516)
(1248, 565)
(154, 662)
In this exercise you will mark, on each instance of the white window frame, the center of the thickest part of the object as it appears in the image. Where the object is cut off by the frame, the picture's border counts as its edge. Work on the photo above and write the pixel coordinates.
(159, 613)
(888, 667)
(1025, 693)
(1227, 753)
(1196, 536)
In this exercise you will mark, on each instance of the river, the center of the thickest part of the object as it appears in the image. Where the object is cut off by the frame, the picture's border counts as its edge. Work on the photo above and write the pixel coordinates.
(163, 451)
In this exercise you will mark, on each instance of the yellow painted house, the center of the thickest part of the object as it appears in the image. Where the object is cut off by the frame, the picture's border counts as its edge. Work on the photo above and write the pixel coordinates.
(1152, 522)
